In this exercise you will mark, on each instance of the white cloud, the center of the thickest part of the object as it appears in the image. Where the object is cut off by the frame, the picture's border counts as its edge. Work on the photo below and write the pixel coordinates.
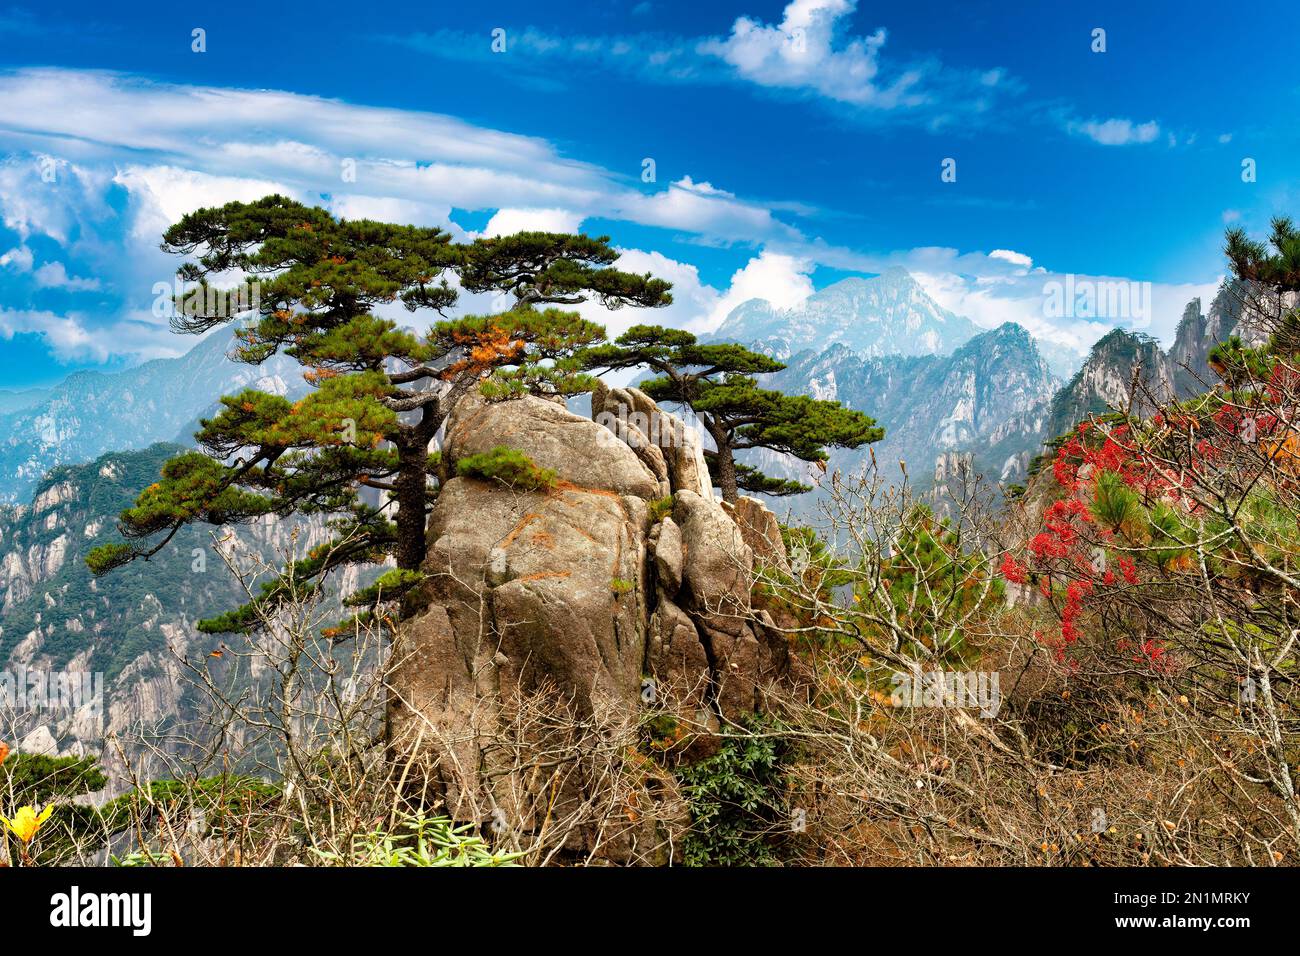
(54, 275)
(708, 214)
(161, 195)
(811, 51)
(505, 222)
(77, 337)
(703, 188)
(990, 289)
(192, 145)
(42, 195)
(1015, 258)
(1115, 132)
(805, 51)
(19, 258)
(173, 149)
(176, 148)
(782, 280)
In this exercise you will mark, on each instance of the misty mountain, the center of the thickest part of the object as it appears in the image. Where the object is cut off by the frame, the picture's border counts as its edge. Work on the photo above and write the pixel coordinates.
(985, 403)
(889, 314)
(91, 413)
(989, 402)
(130, 625)
(13, 401)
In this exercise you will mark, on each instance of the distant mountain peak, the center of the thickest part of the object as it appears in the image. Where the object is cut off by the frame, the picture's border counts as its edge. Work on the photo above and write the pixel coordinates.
(886, 314)
(896, 276)
(986, 400)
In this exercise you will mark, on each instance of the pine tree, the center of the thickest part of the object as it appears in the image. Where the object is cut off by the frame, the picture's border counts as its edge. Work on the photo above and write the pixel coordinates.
(380, 391)
(1275, 272)
(718, 383)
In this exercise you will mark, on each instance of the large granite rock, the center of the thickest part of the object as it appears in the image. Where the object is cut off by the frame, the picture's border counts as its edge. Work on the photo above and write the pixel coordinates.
(632, 411)
(760, 530)
(572, 590)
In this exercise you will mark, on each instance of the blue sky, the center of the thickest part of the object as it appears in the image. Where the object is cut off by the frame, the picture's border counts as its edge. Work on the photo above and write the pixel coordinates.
(793, 144)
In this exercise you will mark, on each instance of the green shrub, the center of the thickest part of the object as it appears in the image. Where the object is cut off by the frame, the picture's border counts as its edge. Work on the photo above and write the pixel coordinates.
(739, 812)
(508, 465)
(38, 779)
(660, 509)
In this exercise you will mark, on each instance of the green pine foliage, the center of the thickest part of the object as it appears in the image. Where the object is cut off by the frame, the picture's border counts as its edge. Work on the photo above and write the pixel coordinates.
(934, 582)
(75, 829)
(719, 384)
(371, 418)
(36, 779)
(661, 508)
(1114, 503)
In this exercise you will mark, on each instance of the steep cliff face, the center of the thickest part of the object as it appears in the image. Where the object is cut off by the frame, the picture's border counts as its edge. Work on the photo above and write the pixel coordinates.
(131, 627)
(1106, 381)
(1197, 333)
(590, 587)
(1107, 377)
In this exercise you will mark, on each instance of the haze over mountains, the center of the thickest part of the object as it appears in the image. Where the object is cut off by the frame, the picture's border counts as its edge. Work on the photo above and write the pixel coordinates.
(986, 400)
(948, 393)
(91, 413)
(889, 314)
(73, 455)
(936, 381)
(12, 401)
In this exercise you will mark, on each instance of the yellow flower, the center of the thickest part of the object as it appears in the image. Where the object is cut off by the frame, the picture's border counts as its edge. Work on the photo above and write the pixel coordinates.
(26, 822)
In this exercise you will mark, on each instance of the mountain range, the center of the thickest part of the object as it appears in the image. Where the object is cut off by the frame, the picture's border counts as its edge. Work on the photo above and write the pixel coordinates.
(91, 413)
(986, 399)
(889, 314)
(72, 456)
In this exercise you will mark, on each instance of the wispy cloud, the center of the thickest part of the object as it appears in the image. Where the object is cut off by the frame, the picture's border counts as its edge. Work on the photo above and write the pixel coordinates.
(807, 50)
(54, 275)
(175, 147)
(131, 156)
(1114, 132)
(812, 52)
(99, 164)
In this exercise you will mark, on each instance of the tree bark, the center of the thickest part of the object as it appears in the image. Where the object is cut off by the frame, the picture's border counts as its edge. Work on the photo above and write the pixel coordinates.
(410, 494)
(726, 462)
(412, 487)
